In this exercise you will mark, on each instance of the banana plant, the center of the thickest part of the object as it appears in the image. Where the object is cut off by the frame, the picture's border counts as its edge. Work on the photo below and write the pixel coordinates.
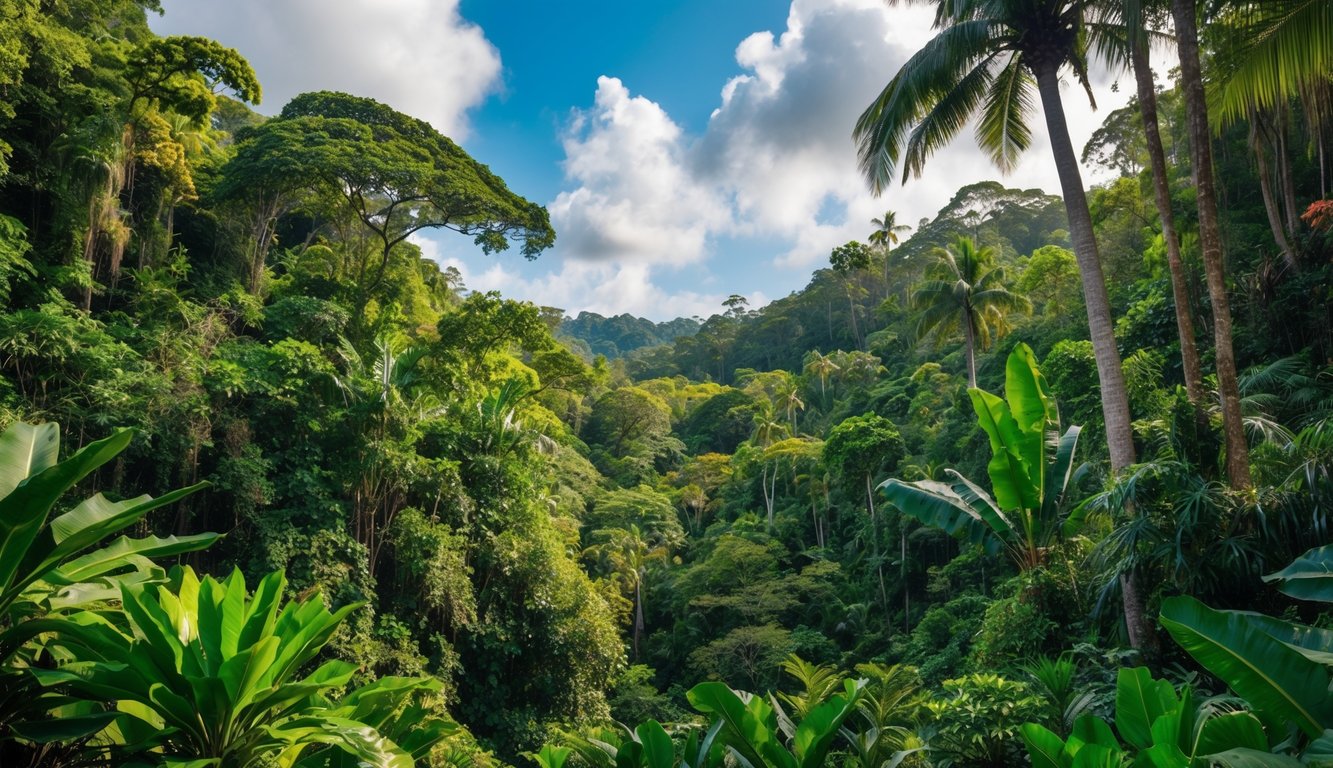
(646, 746)
(207, 675)
(752, 730)
(1030, 469)
(52, 563)
(1283, 669)
(1160, 729)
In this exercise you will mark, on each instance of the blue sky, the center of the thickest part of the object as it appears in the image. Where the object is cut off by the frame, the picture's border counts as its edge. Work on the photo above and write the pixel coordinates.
(687, 150)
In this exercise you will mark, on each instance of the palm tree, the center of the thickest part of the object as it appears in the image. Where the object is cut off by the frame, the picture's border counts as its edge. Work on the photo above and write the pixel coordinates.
(767, 430)
(964, 289)
(627, 553)
(1210, 240)
(822, 366)
(886, 230)
(790, 398)
(986, 59)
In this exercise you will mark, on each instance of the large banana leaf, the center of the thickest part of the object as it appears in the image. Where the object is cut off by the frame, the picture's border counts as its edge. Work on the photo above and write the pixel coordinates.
(1281, 684)
(1309, 577)
(658, 751)
(939, 505)
(749, 728)
(1028, 484)
(1015, 482)
(24, 510)
(1139, 701)
(25, 450)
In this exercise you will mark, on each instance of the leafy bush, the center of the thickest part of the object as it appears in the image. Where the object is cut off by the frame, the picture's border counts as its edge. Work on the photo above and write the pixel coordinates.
(205, 672)
(977, 721)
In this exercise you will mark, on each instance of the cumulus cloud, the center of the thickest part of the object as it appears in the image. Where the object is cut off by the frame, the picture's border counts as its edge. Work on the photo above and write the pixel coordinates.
(605, 287)
(635, 199)
(419, 56)
(777, 159)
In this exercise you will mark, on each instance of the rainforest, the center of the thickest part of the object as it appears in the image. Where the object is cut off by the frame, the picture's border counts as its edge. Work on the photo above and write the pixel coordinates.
(1043, 479)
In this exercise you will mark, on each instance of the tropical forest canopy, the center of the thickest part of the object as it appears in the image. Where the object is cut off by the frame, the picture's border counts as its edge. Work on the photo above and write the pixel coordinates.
(1043, 479)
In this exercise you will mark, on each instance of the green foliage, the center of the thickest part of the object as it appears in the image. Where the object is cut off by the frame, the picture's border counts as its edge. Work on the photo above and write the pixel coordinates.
(54, 564)
(208, 673)
(977, 721)
(750, 726)
(862, 446)
(1026, 514)
(1166, 729)
(1013, 628)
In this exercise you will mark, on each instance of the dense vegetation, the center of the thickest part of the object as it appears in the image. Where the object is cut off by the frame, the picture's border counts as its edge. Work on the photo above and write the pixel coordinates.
(1048, 479)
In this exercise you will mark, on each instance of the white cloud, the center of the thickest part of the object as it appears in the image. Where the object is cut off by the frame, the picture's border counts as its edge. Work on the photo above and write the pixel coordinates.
(777, 158)
(635, 201)
(418, 56)
(604, 287)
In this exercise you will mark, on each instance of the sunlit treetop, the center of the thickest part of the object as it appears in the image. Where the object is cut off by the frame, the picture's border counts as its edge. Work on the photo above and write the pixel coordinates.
(397, 173)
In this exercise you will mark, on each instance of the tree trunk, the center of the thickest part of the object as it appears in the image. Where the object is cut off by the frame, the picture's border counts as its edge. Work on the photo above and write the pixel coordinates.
(970, 348)
(907, 597)
(851, 309)
(1266, 190)
(638, 613)
(1210, 238)
(1189, 350)
(1114, 396)
(768, 497)
(1284, 171)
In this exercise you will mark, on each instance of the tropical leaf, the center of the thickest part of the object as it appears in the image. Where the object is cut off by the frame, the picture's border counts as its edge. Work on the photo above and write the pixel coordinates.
(1139, 701)
(1308, 577)
(1279, 683)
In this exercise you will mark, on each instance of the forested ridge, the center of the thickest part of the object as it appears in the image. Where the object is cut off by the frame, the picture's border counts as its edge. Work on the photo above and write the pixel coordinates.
(894, 518)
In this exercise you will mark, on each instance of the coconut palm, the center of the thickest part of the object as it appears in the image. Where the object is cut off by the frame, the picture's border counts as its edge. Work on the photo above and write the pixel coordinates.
(964, 289)
(768, 429)
(822, 366)
(986, 60)
(886, 230)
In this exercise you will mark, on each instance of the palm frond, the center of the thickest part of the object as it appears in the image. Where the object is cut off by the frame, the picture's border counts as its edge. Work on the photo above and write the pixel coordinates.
(948, 115)
(1284, 47)
(1003, 129)
(883, 127)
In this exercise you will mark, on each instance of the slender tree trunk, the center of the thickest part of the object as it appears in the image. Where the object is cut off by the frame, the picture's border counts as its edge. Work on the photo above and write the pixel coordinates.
(1189, 350)
(907, 597)
(1283, 156)
(970, 348)
(1114, 396)
(1266, 190)
(638, 613)
(768, 497)
(1210, 238)
(851, 309)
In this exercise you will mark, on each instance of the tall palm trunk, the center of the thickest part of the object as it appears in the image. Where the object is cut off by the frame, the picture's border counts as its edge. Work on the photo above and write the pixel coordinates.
(1114, 395)
(970, 347)
(1210, 238)
(638, 613)
(1189, 350)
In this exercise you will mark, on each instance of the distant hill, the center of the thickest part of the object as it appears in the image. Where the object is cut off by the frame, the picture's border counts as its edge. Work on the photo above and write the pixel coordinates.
(619, 335)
